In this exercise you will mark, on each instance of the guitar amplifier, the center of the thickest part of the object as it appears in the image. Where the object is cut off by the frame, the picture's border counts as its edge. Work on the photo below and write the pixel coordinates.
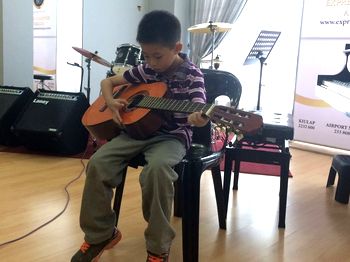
(52, 122)
(12, 101)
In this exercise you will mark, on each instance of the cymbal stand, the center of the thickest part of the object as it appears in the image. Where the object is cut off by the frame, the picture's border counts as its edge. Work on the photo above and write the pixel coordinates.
(88, 89)
(88, 66)
(213, 30)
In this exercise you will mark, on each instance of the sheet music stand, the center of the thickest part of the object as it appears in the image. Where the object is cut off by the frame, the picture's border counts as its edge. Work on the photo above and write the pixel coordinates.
(261, 50)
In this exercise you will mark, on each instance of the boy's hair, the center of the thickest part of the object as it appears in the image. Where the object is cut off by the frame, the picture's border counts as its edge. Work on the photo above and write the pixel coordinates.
(159, 27)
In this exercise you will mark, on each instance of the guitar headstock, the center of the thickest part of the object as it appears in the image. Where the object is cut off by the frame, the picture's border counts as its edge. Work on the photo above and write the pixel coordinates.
(238, 121)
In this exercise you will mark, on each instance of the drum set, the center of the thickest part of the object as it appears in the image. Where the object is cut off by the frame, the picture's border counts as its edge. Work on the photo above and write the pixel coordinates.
(127, 56)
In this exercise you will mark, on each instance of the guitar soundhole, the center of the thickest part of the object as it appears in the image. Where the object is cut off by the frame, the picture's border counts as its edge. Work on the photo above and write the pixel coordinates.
(134, 101)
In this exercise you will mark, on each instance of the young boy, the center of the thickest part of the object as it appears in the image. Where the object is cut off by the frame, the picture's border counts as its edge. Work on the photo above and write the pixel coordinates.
(159, 37)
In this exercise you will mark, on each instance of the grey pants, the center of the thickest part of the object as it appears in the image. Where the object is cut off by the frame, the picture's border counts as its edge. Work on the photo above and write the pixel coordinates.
(104, 172)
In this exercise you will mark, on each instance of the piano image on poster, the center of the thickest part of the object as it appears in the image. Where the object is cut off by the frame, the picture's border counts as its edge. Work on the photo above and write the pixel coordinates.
(335, 89)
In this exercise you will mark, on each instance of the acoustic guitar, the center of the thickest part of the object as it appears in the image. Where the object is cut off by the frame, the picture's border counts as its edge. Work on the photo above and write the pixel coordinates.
(142, 117)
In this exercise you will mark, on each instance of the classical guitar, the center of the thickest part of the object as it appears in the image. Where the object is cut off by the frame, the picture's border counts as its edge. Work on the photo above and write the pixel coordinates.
(141, 117)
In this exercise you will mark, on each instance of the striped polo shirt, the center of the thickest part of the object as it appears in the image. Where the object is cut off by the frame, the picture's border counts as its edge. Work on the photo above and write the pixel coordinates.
(185, 83)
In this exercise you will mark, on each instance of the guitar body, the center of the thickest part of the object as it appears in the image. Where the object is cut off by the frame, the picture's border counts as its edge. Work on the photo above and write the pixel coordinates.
(144, 114)
(139, 123)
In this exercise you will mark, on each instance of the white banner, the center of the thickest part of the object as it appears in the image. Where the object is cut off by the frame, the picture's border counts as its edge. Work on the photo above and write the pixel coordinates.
(322, 107)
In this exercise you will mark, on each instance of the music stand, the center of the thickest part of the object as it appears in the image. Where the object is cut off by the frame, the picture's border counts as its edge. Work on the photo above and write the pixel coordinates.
(261, 50)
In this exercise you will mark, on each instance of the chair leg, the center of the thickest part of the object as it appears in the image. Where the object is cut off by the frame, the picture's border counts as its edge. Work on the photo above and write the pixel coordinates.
(283, 191)
(219, 196)
(343, 189)
(118, 197)
(227, 178)
(331, 177)
(190, 216)
(178, 186)
(236, 174)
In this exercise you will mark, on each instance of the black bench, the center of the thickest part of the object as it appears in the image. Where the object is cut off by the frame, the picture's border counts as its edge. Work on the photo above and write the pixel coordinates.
(340, 165)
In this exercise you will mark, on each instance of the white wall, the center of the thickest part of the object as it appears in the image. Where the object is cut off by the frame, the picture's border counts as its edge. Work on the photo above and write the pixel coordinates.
(182, 11)
(279, 73)
(106, 25)
(17, 42)
(168, 5)
(69, 34)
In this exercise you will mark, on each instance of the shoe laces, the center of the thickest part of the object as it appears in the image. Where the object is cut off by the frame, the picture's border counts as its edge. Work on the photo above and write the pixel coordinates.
(154, 258)
(84, 247)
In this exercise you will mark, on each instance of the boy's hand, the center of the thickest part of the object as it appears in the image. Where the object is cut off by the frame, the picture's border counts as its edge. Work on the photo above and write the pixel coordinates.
(115, 105)
(197, 119)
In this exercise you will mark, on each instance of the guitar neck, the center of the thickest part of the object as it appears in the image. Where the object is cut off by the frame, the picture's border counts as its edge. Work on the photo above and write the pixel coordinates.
(237, 120)
(167, 104)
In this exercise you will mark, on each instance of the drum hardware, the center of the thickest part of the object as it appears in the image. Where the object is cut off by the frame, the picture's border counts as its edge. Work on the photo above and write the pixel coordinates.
(91, 57)
(127, 56)
(82, 74)
(217, 61)
(213, 28)
(219, 27)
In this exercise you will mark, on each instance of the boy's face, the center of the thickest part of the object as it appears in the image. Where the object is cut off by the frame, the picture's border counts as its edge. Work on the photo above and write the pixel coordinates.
(159, 57)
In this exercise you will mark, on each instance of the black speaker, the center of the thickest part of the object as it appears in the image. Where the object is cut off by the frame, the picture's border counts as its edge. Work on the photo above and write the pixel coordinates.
(52, 123)
(12, 101)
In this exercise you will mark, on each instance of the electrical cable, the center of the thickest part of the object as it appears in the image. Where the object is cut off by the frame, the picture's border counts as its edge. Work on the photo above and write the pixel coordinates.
(59, 214)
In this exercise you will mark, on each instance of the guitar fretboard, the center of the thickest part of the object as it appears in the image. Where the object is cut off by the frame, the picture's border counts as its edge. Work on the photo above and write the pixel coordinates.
(172, 105)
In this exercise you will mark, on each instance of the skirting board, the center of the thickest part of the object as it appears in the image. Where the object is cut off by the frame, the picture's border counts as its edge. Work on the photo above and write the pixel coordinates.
(318, 148)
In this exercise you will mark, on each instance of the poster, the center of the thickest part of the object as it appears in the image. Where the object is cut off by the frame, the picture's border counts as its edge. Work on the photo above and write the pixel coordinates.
(322, 98)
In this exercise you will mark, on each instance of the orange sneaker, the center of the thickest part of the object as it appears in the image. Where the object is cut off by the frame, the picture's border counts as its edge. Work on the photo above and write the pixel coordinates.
(157, 258)
(92, 253)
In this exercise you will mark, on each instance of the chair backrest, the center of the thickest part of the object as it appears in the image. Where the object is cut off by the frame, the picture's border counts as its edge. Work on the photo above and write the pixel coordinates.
(217, 83)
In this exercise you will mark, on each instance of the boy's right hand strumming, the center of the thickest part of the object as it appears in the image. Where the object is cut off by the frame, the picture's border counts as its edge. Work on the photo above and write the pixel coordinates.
(115, 105)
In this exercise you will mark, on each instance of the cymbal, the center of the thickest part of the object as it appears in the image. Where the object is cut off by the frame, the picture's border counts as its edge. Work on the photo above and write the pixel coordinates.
(210, 27)
(209, 61)
(94, 57)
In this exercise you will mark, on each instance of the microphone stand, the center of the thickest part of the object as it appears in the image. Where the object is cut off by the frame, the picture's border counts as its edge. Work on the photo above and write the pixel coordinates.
(82, 75)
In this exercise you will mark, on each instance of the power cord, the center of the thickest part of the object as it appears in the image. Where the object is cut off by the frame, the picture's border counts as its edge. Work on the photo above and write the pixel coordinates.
(59, 214)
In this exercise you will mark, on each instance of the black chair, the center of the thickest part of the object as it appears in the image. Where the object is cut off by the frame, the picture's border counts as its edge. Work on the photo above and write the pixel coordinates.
(341, 166)
(199, 158)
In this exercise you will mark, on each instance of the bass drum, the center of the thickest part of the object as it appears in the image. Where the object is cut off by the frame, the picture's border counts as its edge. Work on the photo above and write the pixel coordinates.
(127, 56)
